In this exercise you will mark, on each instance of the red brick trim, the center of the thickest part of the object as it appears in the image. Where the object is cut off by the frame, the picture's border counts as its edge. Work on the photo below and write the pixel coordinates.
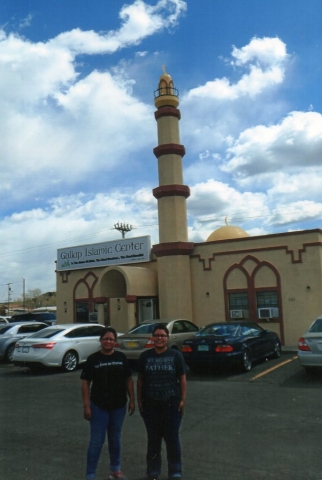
(171, 191)
(173, 248)
(167, 112)
(100, 300)
(169, 148)
(130, 298)
(294, 258)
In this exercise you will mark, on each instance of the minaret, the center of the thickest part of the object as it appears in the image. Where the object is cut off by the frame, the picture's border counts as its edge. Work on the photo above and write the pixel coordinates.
(174, 249)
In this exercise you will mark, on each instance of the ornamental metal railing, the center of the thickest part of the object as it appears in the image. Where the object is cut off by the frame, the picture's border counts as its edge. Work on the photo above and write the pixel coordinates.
(166, 91)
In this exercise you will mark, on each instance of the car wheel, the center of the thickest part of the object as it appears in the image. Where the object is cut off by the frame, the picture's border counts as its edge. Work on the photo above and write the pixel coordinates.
(70, 361)
(246, 362)
(9, 353)
(277, 350)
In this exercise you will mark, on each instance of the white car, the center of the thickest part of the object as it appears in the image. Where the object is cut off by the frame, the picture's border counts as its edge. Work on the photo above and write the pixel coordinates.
(64, 346)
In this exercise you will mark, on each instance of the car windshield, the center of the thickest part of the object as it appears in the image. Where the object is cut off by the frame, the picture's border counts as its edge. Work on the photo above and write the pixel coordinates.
(145, 328)
(46, 333)
(317, 326)
(219, 330)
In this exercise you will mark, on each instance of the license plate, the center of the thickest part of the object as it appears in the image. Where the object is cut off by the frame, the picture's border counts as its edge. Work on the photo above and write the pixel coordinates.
(203, 348)
(25, 349)
(132, 344)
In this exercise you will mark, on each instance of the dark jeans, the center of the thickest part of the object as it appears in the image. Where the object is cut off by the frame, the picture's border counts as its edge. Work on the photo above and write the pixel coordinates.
(104, 422)
(162, 421)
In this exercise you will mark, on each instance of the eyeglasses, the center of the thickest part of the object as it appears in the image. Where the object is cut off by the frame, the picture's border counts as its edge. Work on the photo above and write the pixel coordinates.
(108, 339)
(160, 336)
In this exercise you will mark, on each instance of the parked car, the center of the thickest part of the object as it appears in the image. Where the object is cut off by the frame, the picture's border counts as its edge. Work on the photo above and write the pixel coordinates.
(4, 319)
(310, 347)
(64, 346)
(139, 338)
(46, 317)
(239, 343)
(11, 332)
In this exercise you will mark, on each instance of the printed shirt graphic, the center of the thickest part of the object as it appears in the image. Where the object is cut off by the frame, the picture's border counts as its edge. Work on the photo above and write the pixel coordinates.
(161, 374)
(108, 374)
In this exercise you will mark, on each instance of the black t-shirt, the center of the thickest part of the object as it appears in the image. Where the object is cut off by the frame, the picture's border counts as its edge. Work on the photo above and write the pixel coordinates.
(108, 374)
(161, 372)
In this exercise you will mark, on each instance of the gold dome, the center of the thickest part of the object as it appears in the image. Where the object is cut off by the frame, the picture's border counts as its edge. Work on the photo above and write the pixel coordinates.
(227, 232)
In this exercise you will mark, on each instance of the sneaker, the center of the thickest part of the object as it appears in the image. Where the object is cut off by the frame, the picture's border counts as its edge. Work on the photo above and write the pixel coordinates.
(116, 476)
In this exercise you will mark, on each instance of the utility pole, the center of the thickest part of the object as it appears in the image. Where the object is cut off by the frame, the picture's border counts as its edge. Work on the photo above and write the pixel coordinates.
(121, 227)
(9, 293)
(23, 293)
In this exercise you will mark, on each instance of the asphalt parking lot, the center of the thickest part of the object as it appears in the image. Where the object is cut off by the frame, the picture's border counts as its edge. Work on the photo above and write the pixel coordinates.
(263, 425)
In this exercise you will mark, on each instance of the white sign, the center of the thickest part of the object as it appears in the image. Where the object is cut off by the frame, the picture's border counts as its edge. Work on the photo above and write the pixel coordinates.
(118, 252)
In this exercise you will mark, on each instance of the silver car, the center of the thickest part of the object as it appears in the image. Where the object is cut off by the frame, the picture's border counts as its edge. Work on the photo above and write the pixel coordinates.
(310, 347)
(10, 333)
(64, 346)
(139, 338)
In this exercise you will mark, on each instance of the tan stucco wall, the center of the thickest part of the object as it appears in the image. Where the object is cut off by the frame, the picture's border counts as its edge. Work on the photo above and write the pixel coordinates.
(175, 298)
(299, 305)
(172, 228)
(297, 258)
(112, 282)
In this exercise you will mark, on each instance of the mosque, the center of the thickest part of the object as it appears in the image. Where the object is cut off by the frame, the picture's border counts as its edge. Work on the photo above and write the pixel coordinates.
(274, 280)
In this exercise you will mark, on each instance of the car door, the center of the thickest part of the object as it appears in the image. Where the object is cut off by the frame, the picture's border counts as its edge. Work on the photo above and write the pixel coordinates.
(251, 339)
(85, 340)
(260, 342)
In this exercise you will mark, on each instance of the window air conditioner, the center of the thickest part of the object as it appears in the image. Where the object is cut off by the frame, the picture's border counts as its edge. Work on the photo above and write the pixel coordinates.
(271, 312)
(93, 317)
(236, 313)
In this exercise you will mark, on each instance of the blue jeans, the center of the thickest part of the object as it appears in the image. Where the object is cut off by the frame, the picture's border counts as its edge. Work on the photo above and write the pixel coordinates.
(162, 421)
(104, 422)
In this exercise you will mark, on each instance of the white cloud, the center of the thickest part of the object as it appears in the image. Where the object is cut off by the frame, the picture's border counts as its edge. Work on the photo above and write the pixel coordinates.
(296, 141)
(267, 51)
(294, 212)
(213, 200)
(265, 60)
(139, 20)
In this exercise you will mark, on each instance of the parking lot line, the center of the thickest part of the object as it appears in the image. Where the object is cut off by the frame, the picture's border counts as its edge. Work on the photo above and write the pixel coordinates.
(273, 368)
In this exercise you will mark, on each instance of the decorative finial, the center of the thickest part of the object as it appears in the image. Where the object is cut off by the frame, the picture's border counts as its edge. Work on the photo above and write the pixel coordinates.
(164, 70)
(226, 221)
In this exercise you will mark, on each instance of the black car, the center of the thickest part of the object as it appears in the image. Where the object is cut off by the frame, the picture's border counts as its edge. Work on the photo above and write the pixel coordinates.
(46, 317)
(233, 343)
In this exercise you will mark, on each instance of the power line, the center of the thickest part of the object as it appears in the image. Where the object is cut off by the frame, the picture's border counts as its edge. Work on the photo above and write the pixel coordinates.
(202, 219)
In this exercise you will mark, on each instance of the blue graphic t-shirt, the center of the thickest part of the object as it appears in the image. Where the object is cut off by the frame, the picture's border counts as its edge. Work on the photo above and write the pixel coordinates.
(161, 374)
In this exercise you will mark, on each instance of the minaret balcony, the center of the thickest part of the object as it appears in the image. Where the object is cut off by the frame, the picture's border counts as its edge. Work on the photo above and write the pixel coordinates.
(166, 96)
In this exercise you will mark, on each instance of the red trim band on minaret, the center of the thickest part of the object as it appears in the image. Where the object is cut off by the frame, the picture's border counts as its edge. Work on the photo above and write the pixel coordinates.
(171, 190)
(167, 112)
(173, 248)
(168, 148)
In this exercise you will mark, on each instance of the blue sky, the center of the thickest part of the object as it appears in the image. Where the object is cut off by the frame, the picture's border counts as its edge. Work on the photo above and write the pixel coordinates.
(76, 113)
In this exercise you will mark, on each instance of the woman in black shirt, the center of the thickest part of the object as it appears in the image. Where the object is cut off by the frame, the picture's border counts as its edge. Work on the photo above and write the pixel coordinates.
(106, 383)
